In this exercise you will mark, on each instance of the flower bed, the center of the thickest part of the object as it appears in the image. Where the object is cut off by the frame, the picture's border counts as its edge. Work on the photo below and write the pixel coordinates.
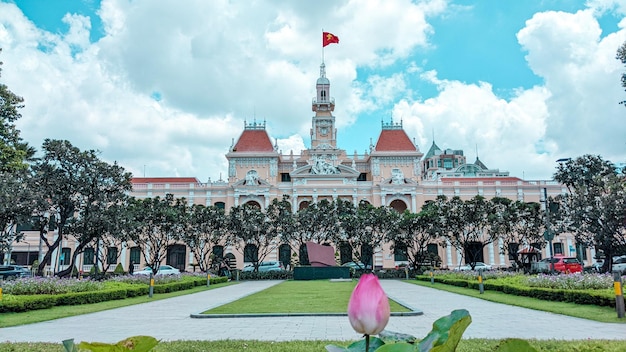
(578, 288)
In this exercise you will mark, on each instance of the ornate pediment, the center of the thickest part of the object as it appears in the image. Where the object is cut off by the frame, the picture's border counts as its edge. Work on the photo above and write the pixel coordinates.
(319, 171)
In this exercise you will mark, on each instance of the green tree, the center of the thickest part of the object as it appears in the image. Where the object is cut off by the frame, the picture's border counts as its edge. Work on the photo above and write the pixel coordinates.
(365, 230)
(315, 223)
(77, 188)
(159, 224)
(13, 151)
(248, 229)
(621, 55)
(416, 231)
(595, 207)
(16, 207)
(517, 225)
(466, 226)
(206, 229)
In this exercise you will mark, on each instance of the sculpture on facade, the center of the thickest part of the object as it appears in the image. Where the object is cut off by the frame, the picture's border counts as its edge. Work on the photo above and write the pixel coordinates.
(323, 167)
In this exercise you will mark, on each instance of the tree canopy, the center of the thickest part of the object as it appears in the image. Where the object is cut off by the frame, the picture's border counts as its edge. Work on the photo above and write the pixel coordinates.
(595, 207)
(13, 151)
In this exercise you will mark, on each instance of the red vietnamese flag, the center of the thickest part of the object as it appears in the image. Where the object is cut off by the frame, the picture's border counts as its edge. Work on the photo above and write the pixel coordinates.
(329, 38)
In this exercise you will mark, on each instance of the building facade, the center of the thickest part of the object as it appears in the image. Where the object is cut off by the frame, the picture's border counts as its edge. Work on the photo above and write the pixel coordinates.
(394, 172)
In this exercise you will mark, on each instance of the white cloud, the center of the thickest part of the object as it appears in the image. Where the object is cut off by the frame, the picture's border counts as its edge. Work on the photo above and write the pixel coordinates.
(583, 77)
(215, 64)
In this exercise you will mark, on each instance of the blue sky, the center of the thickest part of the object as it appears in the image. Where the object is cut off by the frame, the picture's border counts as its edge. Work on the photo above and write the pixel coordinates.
(164, 88)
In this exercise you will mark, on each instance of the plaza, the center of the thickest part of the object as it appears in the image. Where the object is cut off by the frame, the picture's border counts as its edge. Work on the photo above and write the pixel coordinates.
(170, 320)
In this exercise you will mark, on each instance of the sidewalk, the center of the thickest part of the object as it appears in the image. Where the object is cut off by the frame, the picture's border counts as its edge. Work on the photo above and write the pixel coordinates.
(170, 320)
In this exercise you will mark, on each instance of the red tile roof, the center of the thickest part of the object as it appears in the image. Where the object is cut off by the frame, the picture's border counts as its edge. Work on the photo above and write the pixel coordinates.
(253, 141)
(165, 180)
(394, 140)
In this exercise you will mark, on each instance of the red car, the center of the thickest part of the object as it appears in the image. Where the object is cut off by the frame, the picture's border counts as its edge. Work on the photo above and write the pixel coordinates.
(566, 264)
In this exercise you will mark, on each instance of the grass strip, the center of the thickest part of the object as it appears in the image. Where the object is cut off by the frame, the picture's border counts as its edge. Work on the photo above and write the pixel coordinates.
(36, 316)
(315, 296)
(465, 345)
(585, 311)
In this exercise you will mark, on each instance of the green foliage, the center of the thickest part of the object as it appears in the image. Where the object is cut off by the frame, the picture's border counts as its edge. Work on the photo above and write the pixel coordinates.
(119, 269)
(358, 346)
(595, 207)
(13, 151)
(134, 343)
(621, 55)
(444, 337)
(515, 345)
(446, 332)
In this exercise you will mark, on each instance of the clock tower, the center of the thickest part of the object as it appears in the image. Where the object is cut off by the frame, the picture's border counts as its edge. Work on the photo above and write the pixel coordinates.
(323, 132)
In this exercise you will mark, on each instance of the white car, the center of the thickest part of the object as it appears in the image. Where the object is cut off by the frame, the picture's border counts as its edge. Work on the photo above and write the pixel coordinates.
(163, 270)
(479, 266)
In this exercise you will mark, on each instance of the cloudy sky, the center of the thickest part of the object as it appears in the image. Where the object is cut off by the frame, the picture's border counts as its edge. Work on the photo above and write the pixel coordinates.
(163, 87)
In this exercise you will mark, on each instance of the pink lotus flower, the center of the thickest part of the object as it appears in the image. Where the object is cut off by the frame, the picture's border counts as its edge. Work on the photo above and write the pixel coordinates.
(368, 309)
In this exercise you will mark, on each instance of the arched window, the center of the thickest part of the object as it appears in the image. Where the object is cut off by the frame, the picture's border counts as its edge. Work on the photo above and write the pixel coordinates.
(345, 252)
(367, 256)
(284, 255)
(88, 256)
(304, 255)
(398, 205)
(250, 253)
(400, 252)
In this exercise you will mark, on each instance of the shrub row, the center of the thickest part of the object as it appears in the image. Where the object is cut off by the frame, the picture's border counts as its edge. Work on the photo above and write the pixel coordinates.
(13, 303)
(593, 297)
(265, 275)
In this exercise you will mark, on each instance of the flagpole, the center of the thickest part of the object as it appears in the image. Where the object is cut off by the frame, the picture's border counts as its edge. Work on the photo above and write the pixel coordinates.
(322, 45)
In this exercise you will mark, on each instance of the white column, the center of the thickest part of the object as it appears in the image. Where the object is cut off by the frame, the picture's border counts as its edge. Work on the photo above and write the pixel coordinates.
(448, 254)
(501, 247)
(492, 257)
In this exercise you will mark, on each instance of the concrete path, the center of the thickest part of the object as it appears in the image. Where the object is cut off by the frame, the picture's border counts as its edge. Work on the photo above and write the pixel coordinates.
(170, 320)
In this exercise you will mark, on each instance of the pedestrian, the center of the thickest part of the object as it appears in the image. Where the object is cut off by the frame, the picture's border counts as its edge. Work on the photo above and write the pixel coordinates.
(224, 268)
(131, 268)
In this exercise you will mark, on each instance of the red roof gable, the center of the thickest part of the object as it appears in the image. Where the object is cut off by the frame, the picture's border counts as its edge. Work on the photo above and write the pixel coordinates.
(394, 140)
(165, 180)
(253, 141)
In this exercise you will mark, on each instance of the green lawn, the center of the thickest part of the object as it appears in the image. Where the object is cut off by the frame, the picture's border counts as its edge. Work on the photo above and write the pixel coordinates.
(317, 296)
(590, 312)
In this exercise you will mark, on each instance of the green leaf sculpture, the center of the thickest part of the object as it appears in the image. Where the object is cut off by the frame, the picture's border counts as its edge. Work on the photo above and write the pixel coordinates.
(446, 332)
(444, 337)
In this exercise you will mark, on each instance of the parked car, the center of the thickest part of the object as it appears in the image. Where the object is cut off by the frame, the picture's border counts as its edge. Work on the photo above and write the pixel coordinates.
(163, 270)
(265, 266)
(560, 263)
(357, 266)
(619, 264)
(13, 271)
(478, 266)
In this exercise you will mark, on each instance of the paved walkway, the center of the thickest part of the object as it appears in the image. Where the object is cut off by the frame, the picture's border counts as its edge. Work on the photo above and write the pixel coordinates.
(170, 320)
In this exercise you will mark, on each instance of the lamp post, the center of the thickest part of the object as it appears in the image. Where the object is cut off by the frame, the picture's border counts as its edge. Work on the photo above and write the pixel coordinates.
(548, 235)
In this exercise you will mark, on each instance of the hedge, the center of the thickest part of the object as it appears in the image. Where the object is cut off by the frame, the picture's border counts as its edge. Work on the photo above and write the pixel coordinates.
(592, 297)
(12, 303)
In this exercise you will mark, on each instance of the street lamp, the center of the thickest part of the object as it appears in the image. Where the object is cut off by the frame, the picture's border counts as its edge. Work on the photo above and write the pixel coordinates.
(548, 235)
